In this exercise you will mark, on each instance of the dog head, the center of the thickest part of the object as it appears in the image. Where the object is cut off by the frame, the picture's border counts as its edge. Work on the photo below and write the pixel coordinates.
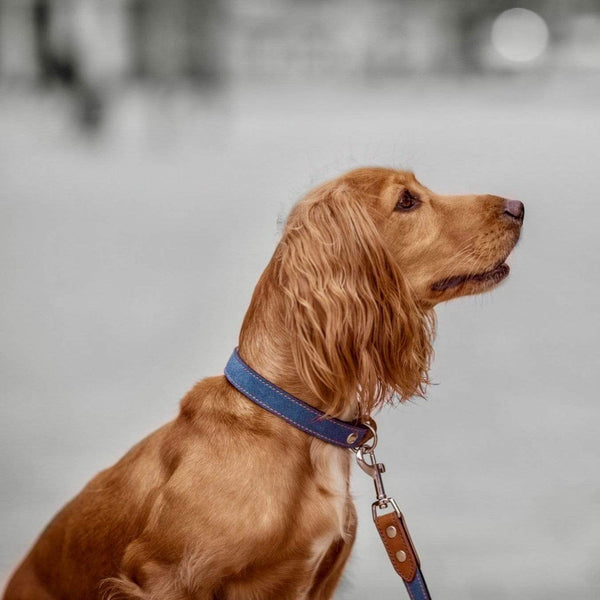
(361, 264)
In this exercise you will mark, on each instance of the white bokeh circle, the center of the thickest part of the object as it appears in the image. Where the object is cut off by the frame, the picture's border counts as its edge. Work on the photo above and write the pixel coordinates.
(520, 35)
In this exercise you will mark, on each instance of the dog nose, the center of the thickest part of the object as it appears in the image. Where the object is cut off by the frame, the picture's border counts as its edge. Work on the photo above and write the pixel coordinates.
(514, 209)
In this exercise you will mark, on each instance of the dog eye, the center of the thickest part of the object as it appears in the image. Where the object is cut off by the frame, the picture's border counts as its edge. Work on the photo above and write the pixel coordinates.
(407, 201)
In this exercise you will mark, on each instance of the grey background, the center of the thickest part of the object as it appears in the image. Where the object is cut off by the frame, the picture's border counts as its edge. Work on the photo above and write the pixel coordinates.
(138, 208)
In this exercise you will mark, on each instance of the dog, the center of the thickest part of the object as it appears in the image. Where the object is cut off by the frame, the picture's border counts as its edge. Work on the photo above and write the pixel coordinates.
(230, 502)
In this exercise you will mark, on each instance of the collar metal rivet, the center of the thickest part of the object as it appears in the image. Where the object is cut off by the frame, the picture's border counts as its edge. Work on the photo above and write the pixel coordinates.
(391, 531)
(401, 555)
(352, 438)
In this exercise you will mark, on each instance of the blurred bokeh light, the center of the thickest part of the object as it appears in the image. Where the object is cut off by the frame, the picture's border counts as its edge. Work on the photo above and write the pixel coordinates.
(520, 34)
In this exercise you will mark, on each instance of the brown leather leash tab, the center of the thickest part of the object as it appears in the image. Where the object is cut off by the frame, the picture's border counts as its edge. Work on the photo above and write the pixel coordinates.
(397, 542)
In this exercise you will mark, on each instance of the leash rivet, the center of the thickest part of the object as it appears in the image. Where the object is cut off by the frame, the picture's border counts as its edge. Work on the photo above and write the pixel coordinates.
(391, 531)
(352, 438)
(401, 555)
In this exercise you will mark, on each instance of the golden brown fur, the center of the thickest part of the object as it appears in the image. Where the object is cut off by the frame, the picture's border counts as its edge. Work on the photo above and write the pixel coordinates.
(228, 501)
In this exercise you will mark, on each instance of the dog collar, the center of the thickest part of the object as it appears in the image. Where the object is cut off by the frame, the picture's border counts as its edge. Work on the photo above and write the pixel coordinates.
(301, 415)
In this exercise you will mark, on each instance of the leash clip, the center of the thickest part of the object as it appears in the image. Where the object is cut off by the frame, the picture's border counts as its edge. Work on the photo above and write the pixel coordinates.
(365, 457)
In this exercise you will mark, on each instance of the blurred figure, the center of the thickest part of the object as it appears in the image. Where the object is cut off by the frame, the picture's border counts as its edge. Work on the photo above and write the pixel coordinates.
(96, 49)
(64, 47)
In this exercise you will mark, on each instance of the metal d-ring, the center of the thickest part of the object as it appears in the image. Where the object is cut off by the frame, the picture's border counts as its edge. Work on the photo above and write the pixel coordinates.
(373, 429)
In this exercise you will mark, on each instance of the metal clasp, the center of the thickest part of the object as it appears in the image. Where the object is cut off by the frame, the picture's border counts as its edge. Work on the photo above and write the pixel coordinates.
(368, 463)
(374, 469)
(365, 457)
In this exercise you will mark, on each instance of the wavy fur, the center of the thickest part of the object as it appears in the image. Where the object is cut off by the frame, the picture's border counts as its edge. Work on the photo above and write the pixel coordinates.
(357, 330)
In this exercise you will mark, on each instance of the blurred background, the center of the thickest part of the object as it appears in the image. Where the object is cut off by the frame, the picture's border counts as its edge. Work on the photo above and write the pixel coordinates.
(149, 152)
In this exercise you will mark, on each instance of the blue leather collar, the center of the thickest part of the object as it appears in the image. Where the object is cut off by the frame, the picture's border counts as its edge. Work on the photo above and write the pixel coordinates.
(291, 409)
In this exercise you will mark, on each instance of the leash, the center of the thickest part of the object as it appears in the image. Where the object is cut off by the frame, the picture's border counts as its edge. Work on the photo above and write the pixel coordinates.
(391, 526)
(361, 438)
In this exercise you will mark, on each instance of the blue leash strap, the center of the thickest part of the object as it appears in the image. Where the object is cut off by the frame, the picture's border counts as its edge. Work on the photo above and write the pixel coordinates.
(417, 588)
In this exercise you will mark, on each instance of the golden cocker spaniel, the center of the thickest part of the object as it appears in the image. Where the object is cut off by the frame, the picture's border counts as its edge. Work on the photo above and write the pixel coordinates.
(230, 502)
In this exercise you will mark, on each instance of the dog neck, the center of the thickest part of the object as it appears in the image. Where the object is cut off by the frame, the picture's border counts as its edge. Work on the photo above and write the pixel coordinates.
(265, 344)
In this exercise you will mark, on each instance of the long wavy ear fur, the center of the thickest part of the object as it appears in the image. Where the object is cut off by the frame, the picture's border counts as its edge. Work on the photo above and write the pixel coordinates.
(356, 330)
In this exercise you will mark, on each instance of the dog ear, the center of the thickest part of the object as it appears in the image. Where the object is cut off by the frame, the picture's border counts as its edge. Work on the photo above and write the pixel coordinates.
(356, 329)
